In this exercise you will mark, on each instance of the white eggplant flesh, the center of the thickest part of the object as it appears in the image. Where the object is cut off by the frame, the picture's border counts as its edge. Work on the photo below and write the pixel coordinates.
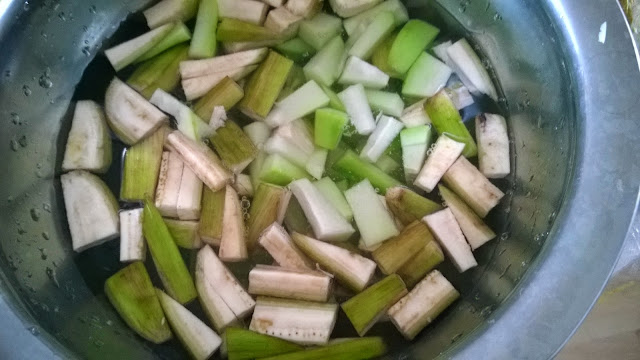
(349, 8)
(387, 129)
(167, 11)
(444, 153)
(278, 244)
(250, 11)
(460, 96)
(473, 228)
(197, 87)
(199, 340)
(355, 102)
(289, 284)
(189, 201)
(224, 63)
(281, 20)
(225, 283)
(242, 185)
(188, 122)
(132, 243)
(233, 243)
(130, 116)
(92, 210)
(168, 188)
(89, 142)
(493, 146)
(326, 221)
(218, 118)
(373, 219)
(415, 115)
(446, 230)
(469, 67)
(302, 322)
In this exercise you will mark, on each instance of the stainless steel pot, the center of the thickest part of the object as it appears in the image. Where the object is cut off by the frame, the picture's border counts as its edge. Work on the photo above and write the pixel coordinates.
(571, 101)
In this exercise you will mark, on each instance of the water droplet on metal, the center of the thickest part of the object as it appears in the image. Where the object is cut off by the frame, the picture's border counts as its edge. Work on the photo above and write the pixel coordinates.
(62, 16)
(26, 90)
(23, 141)
(85, 28)
(46, 207)
(35, 214)
(51, 273)
(45, 82)
(13, 144)
(15, 119)
(26, 6)
(45, 235)
(92, 9)
(44, 35)
(43, 253)
(7, 73)
(34, 331)
(86, 51)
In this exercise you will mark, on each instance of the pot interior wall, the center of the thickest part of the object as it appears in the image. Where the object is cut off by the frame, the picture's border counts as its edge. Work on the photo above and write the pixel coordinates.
(50, 46)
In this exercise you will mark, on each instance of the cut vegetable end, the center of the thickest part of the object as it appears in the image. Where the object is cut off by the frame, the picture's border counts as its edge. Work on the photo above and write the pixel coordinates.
(210, 228)
(300, 103)
(423, 304)
(326, 221)
(264, 211)
(201, 342)
(412, 40)
(446, 229)
(407, 206)
(357, 169)
(130, 291)
(386, 102)
(233, 30)
(203, 42)
(89, 143)
(296, 49)
(419, 265)
(493, 146)
(386, 131)
(278, 244)
(426, 77)
(446, 119)
(179, 33)
(160, 72)
(233, 246)
(372, 36)
(320, 29)
(352, 24)
(248, 345)
(92, 210)
(331, 192)
(250, 11)
(364, 309)
(374, 221)
(169, 263)
(227, 93)
(357, 71)
(329, 126)
(265, 85)
(393, 254)
(282, 318)
(323, 66)
(126, 53)
(467, 63)
(185, 233)
(279, 171)
(355, 102)
(142, 166)
(365, 348)
(351, 269)
(444, 153)
(132, 245)
(289, 284)
(233, 146)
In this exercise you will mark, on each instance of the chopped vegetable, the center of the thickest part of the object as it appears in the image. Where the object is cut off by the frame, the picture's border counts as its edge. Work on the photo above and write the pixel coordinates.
(412, 40)
(258, 132)
(289, 284)
(245, 10)
(419, 265)
(330, 191)
(386, 131)
(293, 141)
(188, 122)
(248, 345)
(460, 96)
(88, 143)
(415, 142)
(203, 42)
(329, 126)
(179, 33)
(446, 229)
(366, 308)
(302, 322)
(160, 72)
(407, 206)
(132, 245)
(264, 86)
(334, 100)
(233, 245)
(130, 291)
(195, 68)
(360, 21)
(352, 349)
(199, 340)
(357, 71)
(227, 93)
(355, 102)
(426, 77)
(233, 30)
(201, 160)
(393, 254)
(173, 272)
(473, 187)
(200, 86)
(130, 116)
(214, 290)
(358, 169)
(493, 146)
(279, 171)
(296, 49)
(281, 20)
(363, 44)
(443, 154)
(277, 242)
(265, 210)
(92, 210)
(300, 103)
(446, 119)
(415, 115)
(184, 233)
(318, 30)
(374, 221)
(316, 162)
(210, 229)
(294, 81)
(142, 164)
(179, 190)
(423, 304)
(126, 53)
(167, 11)
(323, 66)
(386, 102)
(233, 146)
(350, 269)
(349, 8)
(380, 57)
(473, 228)
(472, 72)
(305, 8)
